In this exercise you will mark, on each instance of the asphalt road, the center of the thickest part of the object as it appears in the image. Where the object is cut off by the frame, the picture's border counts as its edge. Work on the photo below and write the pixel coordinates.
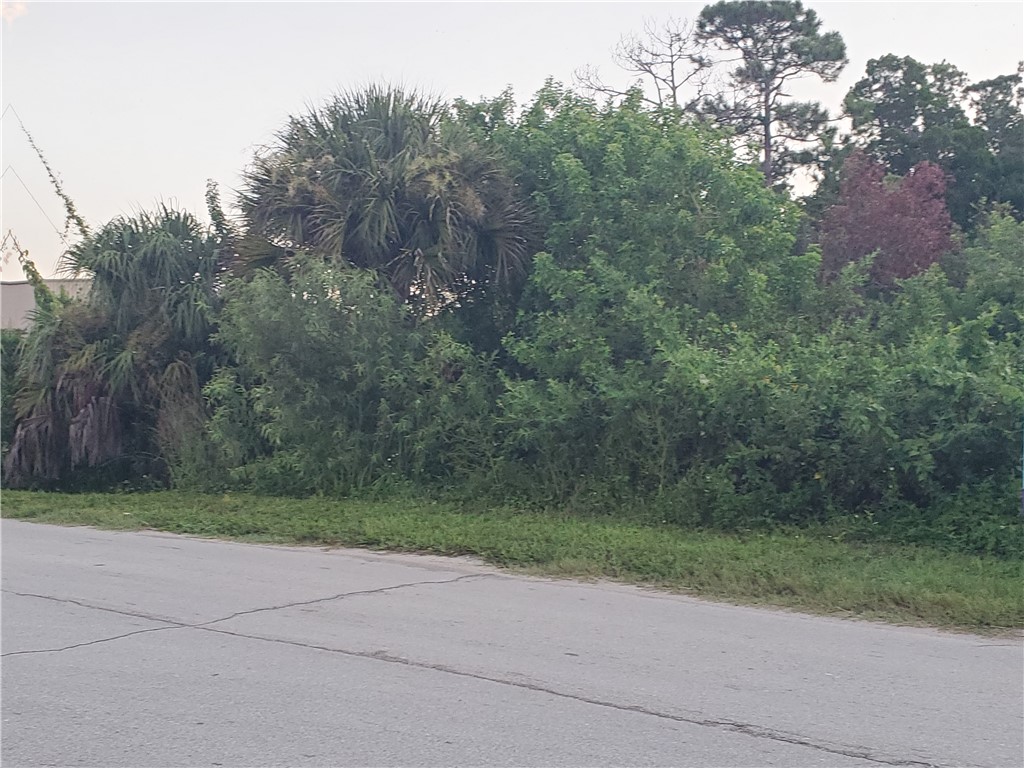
(145, 649)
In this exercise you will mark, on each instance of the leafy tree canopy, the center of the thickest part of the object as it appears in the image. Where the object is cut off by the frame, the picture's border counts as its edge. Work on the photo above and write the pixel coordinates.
(774, 42)
(903, 222)
(665, 202)
(905, 112)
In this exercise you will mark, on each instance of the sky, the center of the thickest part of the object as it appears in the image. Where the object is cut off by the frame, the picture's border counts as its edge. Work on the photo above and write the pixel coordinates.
(138, 103)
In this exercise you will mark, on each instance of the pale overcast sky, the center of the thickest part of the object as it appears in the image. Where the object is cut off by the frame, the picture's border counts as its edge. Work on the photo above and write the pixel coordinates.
(134, 103)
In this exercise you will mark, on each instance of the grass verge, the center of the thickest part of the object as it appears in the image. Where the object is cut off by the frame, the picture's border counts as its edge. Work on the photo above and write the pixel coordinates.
(794, 569)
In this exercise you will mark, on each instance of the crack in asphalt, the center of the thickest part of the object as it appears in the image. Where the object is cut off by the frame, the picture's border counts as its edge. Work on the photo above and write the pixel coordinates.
(343, 595)
(173, 624)
(93, 642)
(119, 611)
(748, 729)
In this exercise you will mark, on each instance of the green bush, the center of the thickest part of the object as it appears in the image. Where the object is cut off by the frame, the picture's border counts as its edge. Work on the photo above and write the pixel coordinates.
(10, 347)
(335, 389)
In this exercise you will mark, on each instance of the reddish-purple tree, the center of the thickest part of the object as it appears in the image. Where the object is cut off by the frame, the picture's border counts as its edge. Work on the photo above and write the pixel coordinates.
(904, 219)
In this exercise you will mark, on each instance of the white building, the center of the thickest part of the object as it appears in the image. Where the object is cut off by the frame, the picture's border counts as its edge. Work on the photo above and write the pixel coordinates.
(17, 299)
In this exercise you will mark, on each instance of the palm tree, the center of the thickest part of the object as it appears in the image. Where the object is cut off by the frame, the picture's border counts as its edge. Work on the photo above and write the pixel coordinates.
(114, 380)
(382, 179)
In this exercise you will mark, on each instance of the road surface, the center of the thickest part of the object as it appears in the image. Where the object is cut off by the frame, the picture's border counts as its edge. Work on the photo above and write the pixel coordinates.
(147, 649)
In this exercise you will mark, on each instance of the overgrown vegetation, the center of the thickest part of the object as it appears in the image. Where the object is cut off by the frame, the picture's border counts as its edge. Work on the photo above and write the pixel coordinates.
(109, 385)
(796, 568)
(11, 342)
(601, 307)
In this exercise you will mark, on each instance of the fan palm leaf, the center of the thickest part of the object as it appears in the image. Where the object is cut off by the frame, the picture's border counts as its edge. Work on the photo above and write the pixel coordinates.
(380, 179)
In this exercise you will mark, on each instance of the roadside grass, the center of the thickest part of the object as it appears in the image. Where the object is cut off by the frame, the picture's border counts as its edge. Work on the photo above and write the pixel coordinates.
(799, 569)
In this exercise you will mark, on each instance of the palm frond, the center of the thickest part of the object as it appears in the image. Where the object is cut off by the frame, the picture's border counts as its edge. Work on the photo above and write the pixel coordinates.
(379, 178)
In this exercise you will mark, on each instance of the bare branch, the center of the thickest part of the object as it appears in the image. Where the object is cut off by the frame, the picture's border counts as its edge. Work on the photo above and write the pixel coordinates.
(667, 60)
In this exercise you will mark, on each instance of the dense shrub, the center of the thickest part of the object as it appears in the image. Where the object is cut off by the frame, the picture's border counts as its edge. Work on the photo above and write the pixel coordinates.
(334, 389)
(10, 342)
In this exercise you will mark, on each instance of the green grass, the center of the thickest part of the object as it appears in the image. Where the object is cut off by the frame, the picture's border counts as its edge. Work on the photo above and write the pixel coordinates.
(794, 569)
